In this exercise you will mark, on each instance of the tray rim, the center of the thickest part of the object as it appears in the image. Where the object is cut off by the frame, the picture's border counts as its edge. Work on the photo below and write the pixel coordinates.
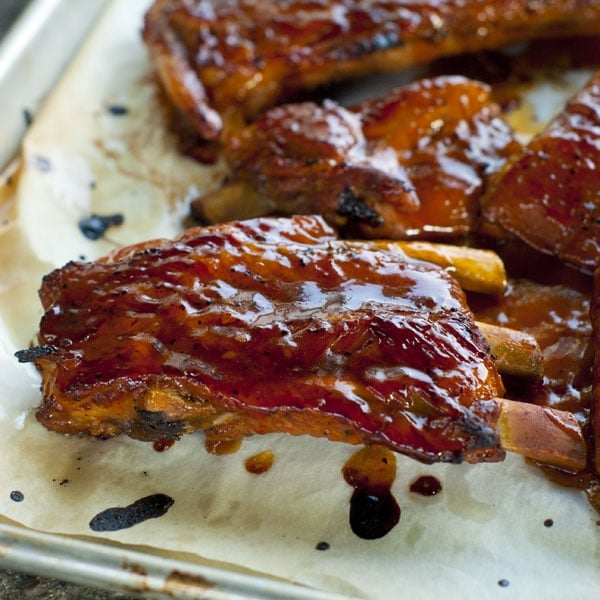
(35, 41)
(123, 569)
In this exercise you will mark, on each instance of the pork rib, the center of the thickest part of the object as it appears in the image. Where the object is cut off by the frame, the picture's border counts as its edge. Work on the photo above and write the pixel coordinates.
(548, 194)
(411, 164)
(223, 62)
(268, 325)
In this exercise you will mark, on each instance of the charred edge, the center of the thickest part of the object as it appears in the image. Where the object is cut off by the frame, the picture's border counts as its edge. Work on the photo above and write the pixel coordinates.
(158, 422)
(356, 209)
(484, 436)
(32, 354)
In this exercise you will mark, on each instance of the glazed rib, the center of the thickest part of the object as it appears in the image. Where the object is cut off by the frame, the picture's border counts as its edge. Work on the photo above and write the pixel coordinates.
(268, 325)
(548, 194)
(412, 164)
(223, 62)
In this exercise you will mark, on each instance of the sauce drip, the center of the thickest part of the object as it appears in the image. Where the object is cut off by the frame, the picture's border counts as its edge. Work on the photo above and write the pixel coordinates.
(221, 447)
(260, 463)
(162, 444)
(374, 511)
(427, 485)
(123, 517)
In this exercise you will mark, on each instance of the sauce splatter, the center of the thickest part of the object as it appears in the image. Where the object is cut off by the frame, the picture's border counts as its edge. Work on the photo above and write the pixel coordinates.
(260, 463)
(17, 496)
(41, 163)
(374, 511)
(221, 447)
(427, 485)
(95, 226)
(163, 444)
(117, 518)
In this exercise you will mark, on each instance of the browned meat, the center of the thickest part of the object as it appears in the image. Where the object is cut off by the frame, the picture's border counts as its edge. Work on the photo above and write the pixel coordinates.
(410, 165)
(223, 62)
(549, 194)
(268, 325)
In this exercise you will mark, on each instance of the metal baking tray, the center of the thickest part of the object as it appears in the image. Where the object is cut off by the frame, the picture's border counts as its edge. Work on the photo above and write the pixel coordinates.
(32, 58)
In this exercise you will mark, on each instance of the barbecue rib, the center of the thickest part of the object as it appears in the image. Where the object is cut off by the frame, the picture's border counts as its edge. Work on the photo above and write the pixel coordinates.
(412, 164)
(549, 194)
(225, 62)
(268, 325)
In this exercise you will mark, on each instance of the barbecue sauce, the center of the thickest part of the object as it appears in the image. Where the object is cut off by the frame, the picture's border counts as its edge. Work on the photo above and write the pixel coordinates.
(163, 444)
(222, 447)
(374, 511)
(426, 485)
(260, 463)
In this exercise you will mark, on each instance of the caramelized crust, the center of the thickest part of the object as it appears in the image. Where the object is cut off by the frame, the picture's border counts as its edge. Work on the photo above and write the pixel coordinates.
(224, 62)
(549, 194)
(268, 325)
(412, 164)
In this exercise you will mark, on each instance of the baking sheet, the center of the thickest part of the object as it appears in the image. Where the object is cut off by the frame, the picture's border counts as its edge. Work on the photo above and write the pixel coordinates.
(32, 56)
(482, 537)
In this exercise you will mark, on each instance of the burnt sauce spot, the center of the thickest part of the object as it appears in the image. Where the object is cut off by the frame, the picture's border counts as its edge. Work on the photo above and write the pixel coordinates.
(117, 518)
(374, 511)
(95, 226)
(118, 110)
(427, 485)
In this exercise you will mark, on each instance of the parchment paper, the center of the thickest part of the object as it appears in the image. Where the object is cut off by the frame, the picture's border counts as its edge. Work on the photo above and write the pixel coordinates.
(483, 536)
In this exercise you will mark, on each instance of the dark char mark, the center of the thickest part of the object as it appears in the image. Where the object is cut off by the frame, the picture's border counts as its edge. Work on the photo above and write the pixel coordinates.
(117, 518)
(30, 354)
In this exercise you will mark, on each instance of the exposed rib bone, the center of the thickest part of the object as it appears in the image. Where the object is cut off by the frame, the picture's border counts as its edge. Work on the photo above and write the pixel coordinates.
(549, 436)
